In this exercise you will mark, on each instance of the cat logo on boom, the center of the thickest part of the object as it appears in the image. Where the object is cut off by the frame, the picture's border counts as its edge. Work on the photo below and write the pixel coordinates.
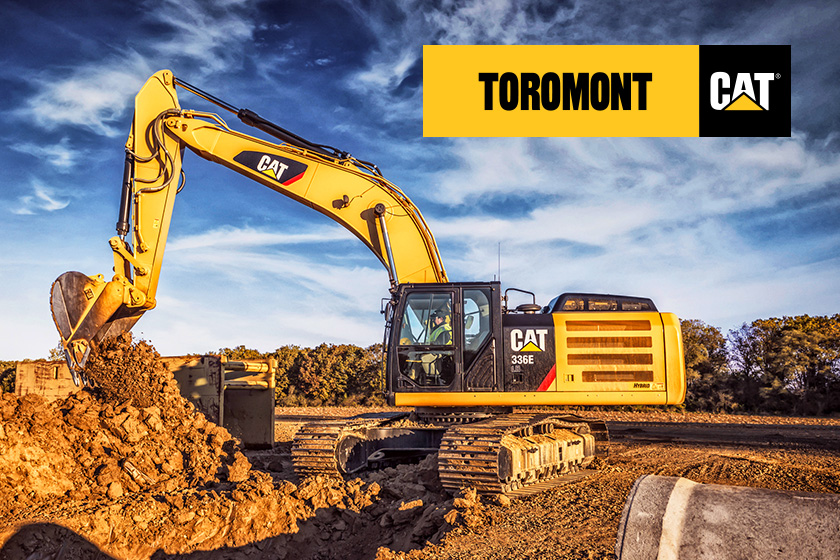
(283, 170)
(529, 340)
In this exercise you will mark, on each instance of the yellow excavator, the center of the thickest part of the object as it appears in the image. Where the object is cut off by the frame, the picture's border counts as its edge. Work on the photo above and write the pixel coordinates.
(481, 375)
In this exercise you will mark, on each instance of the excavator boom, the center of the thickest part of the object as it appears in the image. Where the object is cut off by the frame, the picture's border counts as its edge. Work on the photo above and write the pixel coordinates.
(88, 309)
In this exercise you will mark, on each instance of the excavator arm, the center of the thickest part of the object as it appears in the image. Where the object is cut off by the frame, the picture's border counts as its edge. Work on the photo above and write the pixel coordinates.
(87, 309)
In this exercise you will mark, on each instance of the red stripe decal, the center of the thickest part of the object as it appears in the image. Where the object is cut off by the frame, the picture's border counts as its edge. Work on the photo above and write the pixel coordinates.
(549, 379)
(293, 179)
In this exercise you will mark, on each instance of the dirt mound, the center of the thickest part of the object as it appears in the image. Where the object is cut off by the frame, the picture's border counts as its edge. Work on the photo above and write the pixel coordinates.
(133, 468)
(113, 440)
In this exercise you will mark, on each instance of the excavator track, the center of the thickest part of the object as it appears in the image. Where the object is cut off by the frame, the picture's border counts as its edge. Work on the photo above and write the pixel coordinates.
(341, 446)
(519, 454)
(313, 449)
(515, 454)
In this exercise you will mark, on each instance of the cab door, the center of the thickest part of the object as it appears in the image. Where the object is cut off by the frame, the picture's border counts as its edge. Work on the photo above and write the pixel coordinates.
(444, 338)
(426, 340)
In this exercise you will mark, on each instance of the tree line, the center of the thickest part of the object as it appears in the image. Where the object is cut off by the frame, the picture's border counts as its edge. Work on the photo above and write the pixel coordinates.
(778, 366)
(326, 375)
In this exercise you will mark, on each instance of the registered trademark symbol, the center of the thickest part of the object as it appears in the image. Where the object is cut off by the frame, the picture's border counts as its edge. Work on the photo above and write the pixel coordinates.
(778, 76)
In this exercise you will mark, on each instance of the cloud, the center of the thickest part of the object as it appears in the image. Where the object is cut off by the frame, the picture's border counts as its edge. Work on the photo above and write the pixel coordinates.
(208, 36)
(210, 32)
(263, 258)
(263, 298)
(42, 199)
(92, 97)
(391, 78)
(682, 177)
(61, 155)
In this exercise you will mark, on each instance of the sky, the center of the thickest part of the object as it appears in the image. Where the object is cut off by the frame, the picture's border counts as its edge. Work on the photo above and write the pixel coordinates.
(724, 230)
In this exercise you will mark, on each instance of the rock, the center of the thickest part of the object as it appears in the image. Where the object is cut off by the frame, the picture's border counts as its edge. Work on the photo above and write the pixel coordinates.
(407, 511)
(115, 490)
(451, 517)
(238, 471)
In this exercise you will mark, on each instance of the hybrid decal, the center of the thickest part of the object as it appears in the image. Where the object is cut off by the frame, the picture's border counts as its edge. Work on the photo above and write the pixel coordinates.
(283, 170)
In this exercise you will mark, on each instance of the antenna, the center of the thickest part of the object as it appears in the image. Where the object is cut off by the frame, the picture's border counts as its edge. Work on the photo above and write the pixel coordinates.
(500, 261)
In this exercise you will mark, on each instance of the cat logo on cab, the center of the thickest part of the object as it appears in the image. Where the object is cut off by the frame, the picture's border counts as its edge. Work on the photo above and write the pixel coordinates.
(528, 340)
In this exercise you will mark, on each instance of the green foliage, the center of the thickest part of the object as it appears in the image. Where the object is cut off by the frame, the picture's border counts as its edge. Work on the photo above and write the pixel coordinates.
(241, 353)
(7, 376)
(56, 353)
(336, 374)
(707, 368)
(780, 366)
(788, 365)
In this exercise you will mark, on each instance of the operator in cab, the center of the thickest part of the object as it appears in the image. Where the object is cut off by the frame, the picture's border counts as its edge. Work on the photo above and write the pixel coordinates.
(442, 329)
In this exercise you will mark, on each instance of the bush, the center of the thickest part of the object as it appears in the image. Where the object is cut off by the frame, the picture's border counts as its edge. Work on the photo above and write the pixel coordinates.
(7, 376)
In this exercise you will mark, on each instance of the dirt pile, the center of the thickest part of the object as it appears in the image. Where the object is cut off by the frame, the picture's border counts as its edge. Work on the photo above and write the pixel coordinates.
(134, 469)
(113, 440)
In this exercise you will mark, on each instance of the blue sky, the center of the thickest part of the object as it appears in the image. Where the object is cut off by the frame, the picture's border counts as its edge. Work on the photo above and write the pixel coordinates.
(722, 230)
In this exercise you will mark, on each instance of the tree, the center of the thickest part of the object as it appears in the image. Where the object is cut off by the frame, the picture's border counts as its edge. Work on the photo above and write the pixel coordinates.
(56, 353)
(790, 364)
(241, 353)
(367, 381)
(747, 352)
(707, 368)
(287, 358)
(7, 377)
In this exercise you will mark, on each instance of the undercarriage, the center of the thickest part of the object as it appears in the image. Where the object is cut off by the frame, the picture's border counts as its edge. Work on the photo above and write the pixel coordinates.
(495, 452)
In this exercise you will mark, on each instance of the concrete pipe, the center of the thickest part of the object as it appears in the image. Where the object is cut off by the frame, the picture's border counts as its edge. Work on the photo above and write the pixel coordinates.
(670, 518)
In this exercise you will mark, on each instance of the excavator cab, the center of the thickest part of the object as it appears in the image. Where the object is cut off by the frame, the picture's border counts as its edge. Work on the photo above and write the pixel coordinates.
(419, 362)
(440, 331)
(579, 349)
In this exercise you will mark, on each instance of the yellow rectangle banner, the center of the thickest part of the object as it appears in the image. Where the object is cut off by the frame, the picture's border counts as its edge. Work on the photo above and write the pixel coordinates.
(560, 90)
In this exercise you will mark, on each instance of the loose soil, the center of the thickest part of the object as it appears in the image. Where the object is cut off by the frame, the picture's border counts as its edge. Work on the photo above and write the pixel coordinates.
(131, 470)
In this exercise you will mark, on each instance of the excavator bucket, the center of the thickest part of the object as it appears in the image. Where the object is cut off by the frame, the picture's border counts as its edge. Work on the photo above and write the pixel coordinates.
(87, 310)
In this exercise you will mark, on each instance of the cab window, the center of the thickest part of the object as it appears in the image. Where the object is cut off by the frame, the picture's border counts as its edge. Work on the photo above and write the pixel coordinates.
(426, 350)
(426, 319)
